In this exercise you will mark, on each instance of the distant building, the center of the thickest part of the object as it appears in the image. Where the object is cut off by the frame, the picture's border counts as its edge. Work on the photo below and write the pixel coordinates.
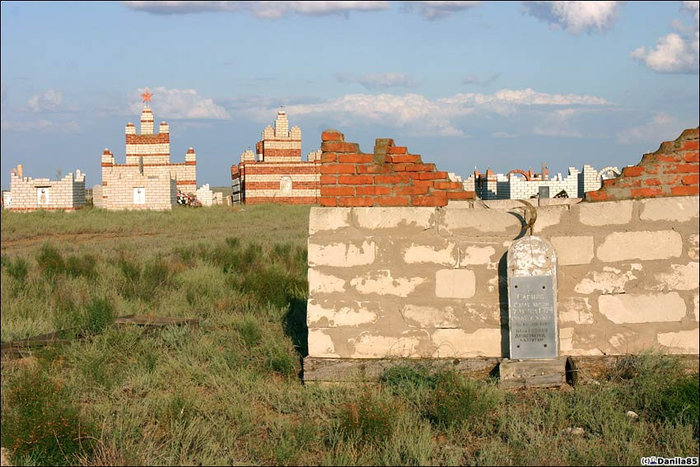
(275, 173)
(148, 180)
(519, 184)
(32, 194)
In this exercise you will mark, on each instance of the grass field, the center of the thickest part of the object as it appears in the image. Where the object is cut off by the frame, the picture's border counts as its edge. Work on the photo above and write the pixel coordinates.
(229, 392)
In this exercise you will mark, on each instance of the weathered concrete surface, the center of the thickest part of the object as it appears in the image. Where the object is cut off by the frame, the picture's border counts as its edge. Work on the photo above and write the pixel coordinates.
(535, 373)
(430, 282)
(646, 245)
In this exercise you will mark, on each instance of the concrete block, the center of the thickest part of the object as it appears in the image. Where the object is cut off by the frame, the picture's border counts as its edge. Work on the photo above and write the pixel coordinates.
(502, 204)
(548, 217)
(342, 254)
(429, 317)
(679, 277)
(558, 201)
(458, 343)
(388, 218)
(605, 213)
(431, 254)
(480, 222)
(566, 340)
(575, 310)
(455, 283)
(321, 344)
(645, 245)
(541, 372)
(324, 283)
(355, 315)
(476, 255)
(674, 209)
(321, 219)
(411, 344)
(381, 282)
(680, 341)
(693, 246)
(642, 308)
(573, 250)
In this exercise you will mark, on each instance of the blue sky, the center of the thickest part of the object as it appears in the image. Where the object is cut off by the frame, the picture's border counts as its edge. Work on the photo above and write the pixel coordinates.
(465, 84)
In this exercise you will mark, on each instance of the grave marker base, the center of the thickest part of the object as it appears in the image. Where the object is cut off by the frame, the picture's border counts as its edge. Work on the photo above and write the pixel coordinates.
(532, 373)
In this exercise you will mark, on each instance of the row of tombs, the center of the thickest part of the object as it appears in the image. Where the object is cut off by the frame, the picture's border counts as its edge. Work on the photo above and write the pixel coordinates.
(275, 173)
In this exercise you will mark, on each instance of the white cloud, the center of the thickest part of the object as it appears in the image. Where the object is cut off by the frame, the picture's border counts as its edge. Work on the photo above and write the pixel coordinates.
(433, 116)
(676, 52)
(263, 10)
(558, 123)
(661, 127)
(575, 17)
(49, 101)
(438, 9)
(378, 80)
(43, 126)
(180, 104)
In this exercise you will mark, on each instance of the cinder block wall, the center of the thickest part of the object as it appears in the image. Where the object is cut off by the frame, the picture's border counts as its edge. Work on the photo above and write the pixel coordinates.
(429, 282)
(673, 170)
(118, 185)
(391, 176)
(66, 194)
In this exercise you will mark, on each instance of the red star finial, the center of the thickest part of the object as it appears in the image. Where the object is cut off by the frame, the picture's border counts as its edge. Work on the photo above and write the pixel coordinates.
(146, 96)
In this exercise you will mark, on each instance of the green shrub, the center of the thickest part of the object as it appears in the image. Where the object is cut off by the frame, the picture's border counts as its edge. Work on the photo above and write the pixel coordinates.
(233, 242)
(99, 314)
(144, 283)
(679, 402)
(81, 266)
(50, 261)
(280, 360)
(40, 421)
(250, 331)
(18, 268)
(456, 399)
(270, 285)
(402, 379)
(369, 419)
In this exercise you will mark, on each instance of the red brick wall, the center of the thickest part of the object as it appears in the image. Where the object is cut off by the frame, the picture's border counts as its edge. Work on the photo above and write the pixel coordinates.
(389, 177)
(160, 138)
(670, 171)
(260, 182)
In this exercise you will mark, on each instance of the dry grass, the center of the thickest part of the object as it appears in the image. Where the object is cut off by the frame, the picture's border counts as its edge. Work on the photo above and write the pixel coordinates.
(228, 392)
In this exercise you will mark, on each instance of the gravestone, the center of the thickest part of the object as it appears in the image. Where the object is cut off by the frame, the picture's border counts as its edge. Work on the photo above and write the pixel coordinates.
(532, 316)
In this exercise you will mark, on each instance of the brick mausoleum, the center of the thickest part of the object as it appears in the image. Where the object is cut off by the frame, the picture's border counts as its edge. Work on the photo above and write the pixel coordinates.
(32, 194)
(275, 173)
(148, 180)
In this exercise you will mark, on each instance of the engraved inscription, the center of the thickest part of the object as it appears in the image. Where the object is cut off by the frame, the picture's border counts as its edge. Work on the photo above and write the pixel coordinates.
(532, 317)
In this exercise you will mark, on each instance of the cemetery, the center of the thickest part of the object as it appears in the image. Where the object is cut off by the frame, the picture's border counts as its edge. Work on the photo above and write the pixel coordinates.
(408, 320)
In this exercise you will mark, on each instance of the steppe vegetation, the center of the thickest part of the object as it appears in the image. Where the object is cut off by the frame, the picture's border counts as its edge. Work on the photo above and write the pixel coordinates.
(229, 391)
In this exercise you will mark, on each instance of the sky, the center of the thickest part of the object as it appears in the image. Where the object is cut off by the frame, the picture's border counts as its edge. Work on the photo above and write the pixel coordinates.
(499, 85)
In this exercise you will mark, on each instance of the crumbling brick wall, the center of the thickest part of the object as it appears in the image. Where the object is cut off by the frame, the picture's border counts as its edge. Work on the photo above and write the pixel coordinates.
(670, 171)
(391, 176)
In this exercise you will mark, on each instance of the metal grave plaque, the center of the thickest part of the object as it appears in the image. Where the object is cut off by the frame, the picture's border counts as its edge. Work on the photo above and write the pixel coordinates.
(532, 317)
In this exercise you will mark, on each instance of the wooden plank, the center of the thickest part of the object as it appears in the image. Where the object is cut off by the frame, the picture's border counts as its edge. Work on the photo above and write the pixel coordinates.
(155, 321)
(579, 369)
(370, 370)
(23, 347)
